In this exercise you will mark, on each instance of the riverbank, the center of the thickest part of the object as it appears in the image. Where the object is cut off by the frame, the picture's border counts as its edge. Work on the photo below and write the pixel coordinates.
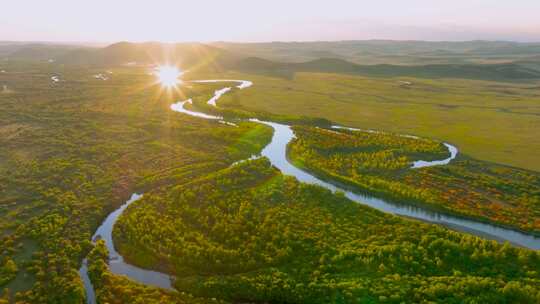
(276, 152)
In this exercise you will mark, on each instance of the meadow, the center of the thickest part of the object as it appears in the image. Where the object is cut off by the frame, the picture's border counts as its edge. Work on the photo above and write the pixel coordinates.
(248, 234)
(110, 288)
(77, 139)
(372, 52)
(381, 163)
(74, 150)
(491, 121)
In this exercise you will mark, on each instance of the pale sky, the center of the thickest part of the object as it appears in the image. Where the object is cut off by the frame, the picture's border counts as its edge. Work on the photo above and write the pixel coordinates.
(257, 20)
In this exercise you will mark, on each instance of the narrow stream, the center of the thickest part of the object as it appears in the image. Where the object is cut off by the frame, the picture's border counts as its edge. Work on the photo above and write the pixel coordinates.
(116, 261)
(276, 152)
(419, 163)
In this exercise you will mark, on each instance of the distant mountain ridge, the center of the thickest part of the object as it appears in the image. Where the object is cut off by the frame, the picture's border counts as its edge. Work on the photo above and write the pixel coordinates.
(507, 71)
(33, 51)
(184, 54)
(220, 57)
(390, 47)
(369, 52)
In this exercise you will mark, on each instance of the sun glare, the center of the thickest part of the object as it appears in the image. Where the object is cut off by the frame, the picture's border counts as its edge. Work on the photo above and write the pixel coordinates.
(168, 75)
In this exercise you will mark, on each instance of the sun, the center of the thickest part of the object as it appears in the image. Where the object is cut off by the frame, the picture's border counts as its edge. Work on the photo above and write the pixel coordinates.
(168, 75)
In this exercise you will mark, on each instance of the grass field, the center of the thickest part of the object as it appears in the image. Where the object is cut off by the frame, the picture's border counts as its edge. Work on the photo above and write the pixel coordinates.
(380, 163)
(372, 52)
(248, 234)
(492, 121)
(71, 151)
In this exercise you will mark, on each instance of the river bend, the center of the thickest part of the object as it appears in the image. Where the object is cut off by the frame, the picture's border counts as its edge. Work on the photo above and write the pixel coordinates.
(276, 152)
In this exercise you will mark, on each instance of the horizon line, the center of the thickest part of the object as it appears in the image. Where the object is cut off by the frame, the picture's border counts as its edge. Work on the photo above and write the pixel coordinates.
(81, 42)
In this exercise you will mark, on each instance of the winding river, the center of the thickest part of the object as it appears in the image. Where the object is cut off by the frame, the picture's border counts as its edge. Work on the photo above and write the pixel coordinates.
(276, 152)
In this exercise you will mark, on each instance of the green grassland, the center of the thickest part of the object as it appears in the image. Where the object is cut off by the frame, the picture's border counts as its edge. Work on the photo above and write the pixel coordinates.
(491, 121)
(74, 150)
(381, 163)
(111, 288)
(370, 52)
(249, 234)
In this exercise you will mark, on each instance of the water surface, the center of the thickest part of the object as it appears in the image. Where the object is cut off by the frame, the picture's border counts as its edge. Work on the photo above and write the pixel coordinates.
(276, 152)
(117, 264)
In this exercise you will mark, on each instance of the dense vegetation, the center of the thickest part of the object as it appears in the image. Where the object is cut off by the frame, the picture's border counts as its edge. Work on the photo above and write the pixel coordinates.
(250, 234)
(115, 289)
(380, 163)
(493, 121)
(74, 148)
(446, 105)
(72, 151)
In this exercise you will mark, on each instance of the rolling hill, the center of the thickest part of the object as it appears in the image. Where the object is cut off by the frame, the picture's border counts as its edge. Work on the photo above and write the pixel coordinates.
(502, 72)
(328, 57)
(372, 52)
(34, 51)
(186, 55)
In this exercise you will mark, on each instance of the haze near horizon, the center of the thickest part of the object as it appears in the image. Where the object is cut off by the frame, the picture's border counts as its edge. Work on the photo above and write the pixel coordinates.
(250, 21)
